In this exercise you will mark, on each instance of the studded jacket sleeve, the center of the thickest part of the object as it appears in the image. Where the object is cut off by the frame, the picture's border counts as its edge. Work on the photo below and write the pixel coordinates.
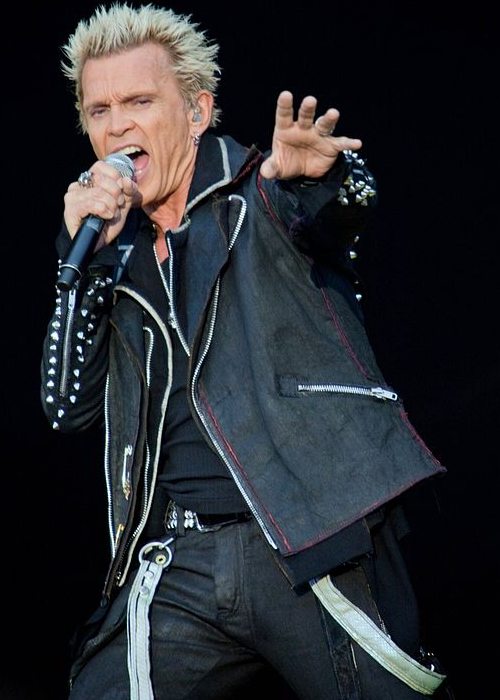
(75, 357)
(326, 217)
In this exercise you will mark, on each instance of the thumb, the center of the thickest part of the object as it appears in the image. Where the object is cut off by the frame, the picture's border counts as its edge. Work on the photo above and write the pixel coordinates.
(132, 193)
(268, 168)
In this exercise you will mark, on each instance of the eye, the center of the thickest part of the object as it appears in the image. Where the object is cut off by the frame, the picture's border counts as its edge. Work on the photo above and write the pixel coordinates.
(142, 101)
(97, 112)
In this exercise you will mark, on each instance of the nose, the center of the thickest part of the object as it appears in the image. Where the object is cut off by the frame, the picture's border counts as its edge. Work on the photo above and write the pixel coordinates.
(119, 121)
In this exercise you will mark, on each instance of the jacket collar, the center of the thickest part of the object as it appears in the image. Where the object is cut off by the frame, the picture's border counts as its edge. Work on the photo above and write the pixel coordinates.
(220, 161)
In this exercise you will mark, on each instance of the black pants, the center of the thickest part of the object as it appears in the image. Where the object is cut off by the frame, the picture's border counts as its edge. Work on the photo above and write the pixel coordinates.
(225, 621)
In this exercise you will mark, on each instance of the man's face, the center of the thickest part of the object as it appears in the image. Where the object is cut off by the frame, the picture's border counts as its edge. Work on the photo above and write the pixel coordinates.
(132, 103)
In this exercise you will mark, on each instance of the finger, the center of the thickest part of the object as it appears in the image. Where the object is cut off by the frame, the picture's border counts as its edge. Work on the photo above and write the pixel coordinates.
(344, 143)
(104, 205)
(307, 111)
(108, 193)
(284, 110)
(97, 201)
(129, 187)
(327, 122)
(106, 177)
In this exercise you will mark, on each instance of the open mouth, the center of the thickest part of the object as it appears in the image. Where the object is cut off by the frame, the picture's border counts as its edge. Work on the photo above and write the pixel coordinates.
(138, 156)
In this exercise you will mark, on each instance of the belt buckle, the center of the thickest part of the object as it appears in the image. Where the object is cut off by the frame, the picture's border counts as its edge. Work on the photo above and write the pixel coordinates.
(180, 519)
(192, 522)
(192, 518)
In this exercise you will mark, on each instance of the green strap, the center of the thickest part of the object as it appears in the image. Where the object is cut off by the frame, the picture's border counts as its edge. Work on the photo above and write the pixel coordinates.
(373, 640)
(154, 558)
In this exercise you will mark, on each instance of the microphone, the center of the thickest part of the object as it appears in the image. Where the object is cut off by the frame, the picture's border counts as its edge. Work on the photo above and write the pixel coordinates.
(83, 244)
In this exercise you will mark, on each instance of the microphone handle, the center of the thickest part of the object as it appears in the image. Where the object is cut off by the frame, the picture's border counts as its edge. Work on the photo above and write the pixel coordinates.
(82, 248)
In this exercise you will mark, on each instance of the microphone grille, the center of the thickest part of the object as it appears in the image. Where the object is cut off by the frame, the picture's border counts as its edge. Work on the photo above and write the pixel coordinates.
(122, 163)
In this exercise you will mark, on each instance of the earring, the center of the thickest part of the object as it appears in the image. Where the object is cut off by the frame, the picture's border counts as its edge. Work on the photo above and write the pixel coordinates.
(197, 115)
(196, 138)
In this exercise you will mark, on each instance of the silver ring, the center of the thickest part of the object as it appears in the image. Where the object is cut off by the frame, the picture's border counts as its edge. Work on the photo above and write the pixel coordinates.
(85, 179)
(322, 133)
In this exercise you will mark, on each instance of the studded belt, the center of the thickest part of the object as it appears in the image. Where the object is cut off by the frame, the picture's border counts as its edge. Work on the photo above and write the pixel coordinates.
(180, 519)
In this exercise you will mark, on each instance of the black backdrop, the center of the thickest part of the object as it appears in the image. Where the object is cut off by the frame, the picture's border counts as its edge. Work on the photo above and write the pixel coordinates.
(418, 85)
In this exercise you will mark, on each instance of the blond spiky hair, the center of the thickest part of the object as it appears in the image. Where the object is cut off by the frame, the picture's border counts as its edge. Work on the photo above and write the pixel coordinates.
(119, 27)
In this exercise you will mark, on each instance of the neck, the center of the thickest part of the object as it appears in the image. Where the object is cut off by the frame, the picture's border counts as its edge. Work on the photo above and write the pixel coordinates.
(166, 216)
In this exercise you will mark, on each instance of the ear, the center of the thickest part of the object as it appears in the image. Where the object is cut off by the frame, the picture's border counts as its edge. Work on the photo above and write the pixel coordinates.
(201, 113)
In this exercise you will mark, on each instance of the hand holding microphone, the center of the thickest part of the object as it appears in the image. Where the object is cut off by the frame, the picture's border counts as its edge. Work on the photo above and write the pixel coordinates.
(85, 239)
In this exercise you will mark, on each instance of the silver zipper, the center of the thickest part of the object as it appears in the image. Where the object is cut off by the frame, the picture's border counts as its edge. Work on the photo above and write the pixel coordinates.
(147, 463)
(213, 439)
(68, 327)
(241, 216)
(107, 471)
(376, 391)
(169, 291)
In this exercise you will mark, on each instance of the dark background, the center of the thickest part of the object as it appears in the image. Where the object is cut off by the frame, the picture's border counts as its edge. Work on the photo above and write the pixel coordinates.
(418, 83)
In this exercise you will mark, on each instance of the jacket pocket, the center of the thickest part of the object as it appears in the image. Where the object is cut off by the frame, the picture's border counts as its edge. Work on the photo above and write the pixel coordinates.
(299, 387)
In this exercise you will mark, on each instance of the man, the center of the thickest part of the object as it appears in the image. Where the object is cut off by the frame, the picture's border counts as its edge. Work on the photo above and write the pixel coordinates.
(253, 451)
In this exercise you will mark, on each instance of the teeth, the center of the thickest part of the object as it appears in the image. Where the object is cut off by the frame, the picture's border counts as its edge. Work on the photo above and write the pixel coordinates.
(128, 150)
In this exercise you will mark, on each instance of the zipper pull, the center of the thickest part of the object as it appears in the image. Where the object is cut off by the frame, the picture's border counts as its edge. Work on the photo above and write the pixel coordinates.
(170, 317)
(383, 394)
(126, 483)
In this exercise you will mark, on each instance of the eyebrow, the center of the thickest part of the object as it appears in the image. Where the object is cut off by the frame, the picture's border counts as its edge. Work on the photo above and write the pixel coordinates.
(122, 100)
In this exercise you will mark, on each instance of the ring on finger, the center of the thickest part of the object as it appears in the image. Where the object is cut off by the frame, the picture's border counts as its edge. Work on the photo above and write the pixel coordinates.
(322, 133)
(86, 179)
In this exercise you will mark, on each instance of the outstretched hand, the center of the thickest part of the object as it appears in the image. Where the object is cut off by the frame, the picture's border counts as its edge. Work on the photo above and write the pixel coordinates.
(305, 147)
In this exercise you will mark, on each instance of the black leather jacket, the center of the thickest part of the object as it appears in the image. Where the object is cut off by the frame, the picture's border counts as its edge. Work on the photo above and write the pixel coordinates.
(283, 382)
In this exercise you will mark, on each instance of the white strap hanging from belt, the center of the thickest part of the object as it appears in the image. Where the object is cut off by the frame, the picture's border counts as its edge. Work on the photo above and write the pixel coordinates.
(138, 628)
(373, 640)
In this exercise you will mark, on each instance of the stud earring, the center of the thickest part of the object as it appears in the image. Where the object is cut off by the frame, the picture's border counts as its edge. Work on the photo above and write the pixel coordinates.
(197, 115)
